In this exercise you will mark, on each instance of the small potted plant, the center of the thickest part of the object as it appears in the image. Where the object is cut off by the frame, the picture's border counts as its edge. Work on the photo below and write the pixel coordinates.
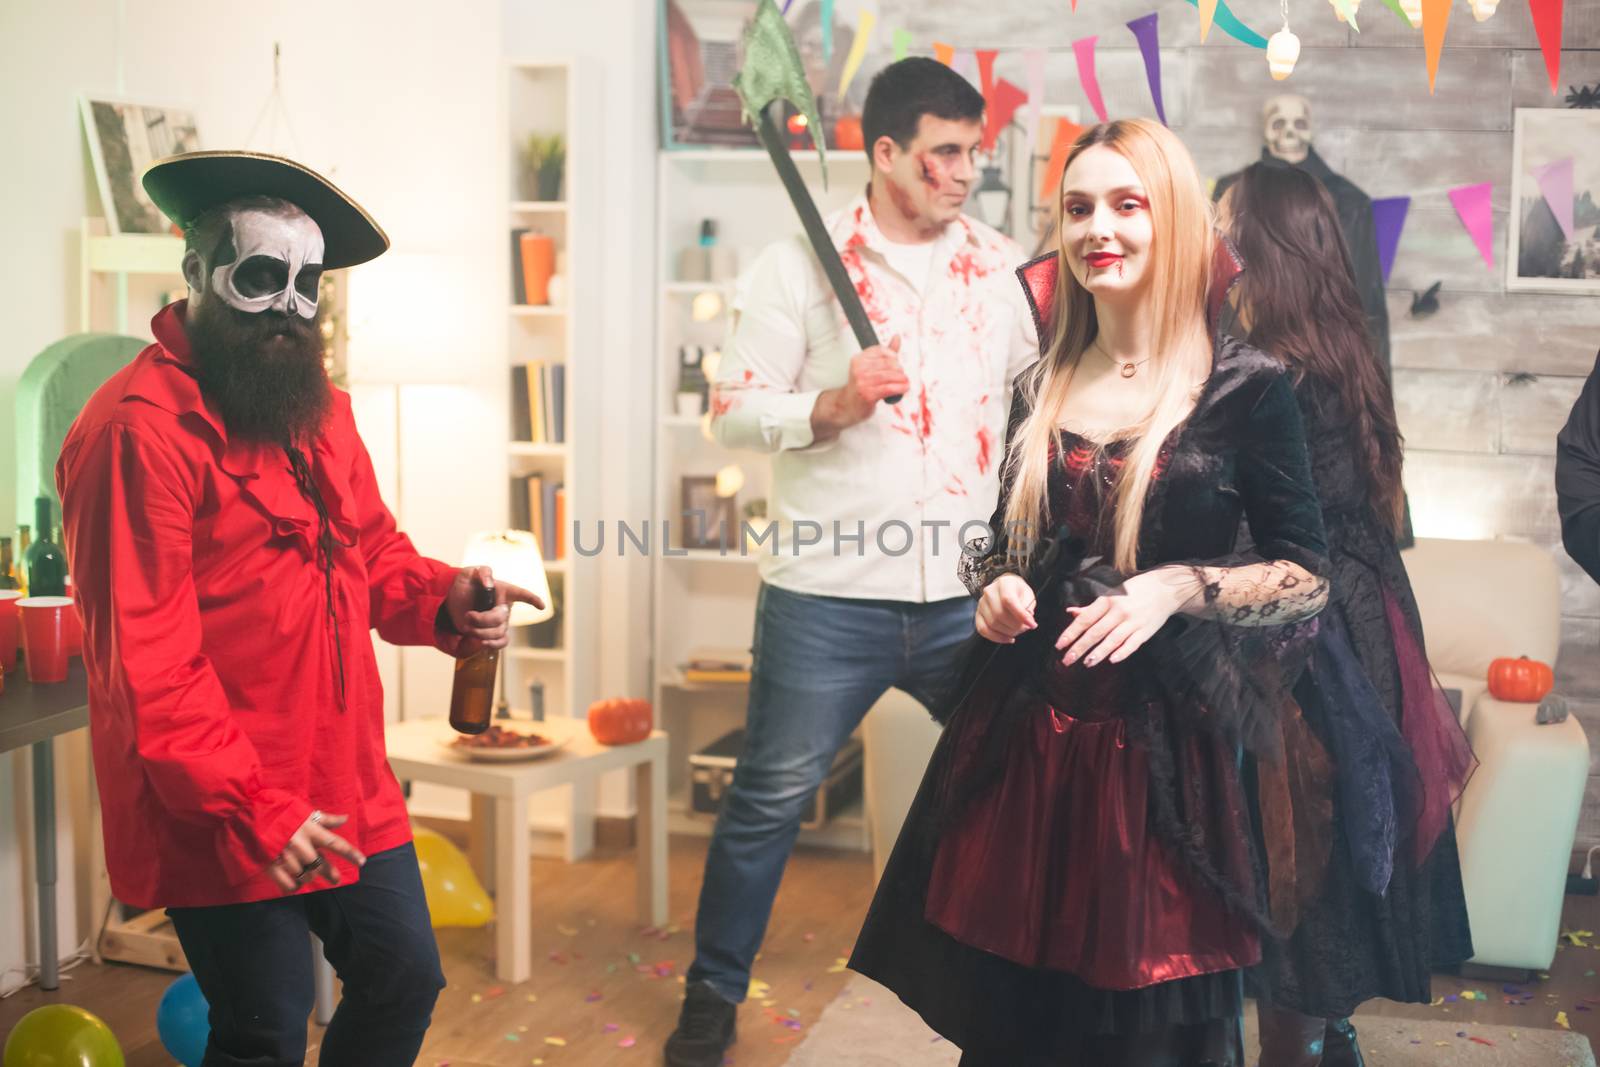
(546, 160)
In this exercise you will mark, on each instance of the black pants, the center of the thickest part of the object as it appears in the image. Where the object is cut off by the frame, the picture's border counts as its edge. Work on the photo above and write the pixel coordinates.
(253, 963)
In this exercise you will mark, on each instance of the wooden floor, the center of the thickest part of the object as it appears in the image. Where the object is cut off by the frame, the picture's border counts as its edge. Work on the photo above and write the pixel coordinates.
(605, 993)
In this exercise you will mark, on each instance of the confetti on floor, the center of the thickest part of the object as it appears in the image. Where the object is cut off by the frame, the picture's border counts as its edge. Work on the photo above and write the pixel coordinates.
(758, 990)
(558, 1042)
(569, 931)
(627, 1042)
(1577, 938)
(1561, 1020)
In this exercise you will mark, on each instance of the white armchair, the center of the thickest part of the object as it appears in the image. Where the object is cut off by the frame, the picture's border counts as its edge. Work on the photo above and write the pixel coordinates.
(1515, 823)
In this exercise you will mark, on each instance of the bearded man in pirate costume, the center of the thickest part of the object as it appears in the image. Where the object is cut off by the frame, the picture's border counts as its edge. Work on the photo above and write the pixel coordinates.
(231, 552)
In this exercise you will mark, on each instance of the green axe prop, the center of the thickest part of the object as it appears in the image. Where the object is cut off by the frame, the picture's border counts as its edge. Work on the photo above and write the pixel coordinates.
(772, 72)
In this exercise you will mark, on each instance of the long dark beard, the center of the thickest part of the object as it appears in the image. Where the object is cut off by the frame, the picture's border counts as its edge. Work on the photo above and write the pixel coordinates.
(263, 372)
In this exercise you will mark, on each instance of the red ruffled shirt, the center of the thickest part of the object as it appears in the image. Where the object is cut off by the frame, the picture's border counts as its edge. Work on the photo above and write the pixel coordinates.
(218, 711)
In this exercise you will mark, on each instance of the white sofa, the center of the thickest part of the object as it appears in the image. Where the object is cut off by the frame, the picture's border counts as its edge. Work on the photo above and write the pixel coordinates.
(1482, 600)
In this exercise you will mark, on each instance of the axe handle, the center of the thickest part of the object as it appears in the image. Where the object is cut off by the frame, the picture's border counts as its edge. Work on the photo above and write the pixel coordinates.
(822, 244)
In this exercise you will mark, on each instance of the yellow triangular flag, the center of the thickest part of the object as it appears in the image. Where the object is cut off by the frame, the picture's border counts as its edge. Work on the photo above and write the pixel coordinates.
(858, 51)
(1208, 11)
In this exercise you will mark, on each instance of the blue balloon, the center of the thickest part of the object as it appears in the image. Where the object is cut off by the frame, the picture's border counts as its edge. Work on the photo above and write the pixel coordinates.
(183, 1021)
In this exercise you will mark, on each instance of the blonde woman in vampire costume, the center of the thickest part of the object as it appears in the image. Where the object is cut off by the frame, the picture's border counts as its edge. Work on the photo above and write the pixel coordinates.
(1082, 879)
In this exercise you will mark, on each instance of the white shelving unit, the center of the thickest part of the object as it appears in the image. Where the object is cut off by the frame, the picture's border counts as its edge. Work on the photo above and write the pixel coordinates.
(546, 96)
(704, 597)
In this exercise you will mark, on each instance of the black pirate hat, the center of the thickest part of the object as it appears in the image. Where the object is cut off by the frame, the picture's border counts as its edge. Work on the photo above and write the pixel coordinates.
(187, 185)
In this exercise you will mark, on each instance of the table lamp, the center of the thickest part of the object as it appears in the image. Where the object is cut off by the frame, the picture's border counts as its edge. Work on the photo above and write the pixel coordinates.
(513, 556)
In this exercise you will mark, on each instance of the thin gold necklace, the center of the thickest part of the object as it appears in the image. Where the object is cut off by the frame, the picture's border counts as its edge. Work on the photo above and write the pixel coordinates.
(1127, 368)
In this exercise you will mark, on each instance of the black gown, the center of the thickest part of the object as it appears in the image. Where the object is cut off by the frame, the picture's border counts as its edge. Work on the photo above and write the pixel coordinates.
(1350, 944)
(1240, 453)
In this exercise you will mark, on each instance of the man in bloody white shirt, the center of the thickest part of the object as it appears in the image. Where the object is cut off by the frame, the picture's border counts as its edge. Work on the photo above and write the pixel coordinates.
(872, 500)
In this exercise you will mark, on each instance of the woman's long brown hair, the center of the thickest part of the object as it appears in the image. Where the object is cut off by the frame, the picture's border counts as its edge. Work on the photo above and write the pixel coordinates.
(1298, 300)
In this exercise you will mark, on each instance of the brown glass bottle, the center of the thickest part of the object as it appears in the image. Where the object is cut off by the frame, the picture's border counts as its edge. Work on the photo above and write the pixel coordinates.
(8, 580)
(472, 694)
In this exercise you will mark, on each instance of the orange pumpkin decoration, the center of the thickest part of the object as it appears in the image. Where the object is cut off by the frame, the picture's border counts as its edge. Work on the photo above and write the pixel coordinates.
(620, 721)
(847, 133)
(1521, 680)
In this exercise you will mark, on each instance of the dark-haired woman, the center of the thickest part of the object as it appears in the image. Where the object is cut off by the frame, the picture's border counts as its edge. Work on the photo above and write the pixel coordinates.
(1391, 906)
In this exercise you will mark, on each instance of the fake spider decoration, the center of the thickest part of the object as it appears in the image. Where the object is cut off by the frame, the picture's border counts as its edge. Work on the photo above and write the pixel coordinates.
(1584, 96)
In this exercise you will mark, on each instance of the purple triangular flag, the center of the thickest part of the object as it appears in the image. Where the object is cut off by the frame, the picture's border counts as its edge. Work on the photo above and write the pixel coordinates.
(1472, 203)
(1388, 219)
(1150, 46)
(1555, 182)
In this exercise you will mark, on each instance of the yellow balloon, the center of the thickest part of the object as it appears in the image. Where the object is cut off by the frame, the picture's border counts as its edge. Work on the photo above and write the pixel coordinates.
(61, 1035)
(455, 896)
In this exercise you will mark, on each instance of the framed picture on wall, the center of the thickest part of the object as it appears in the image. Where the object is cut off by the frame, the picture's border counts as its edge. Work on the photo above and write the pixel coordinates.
(124, 138)
(709, 520)
(1555, 202)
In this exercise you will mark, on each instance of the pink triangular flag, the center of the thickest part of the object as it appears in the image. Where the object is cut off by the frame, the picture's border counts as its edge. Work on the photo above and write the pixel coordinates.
(1084, 51)
(1472, 204)
(1033, 62)
(966, 65)
(1208, 11)
(1555, 182)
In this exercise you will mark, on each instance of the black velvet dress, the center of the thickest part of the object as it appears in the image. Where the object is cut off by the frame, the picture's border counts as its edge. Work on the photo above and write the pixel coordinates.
(994, 920)
(1352, 944)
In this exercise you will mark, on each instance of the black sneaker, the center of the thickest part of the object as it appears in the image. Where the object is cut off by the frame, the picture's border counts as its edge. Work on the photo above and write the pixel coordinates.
(705, 1028)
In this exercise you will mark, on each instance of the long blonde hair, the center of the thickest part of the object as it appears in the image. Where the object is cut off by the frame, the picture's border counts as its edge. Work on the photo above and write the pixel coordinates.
(1180, 253)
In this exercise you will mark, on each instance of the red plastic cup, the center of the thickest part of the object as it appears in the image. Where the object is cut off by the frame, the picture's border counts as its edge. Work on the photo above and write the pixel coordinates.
(44, 636)
(10, 628)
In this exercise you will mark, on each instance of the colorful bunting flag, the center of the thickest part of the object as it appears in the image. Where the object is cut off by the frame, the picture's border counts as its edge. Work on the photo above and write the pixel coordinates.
(1149, 37)
(1208, 13)
(1400, 13)
(944, 53)
(1472, 203)
(1084, 51)
(1547, 26)
(1388, 219)
(1001, 108)
(1555, 182)
(1234, 28)
(986, 71)
(858, 50)
(1033, 62)
(827, 31)
(1067, 132)
(902, 44)
(1435, 17)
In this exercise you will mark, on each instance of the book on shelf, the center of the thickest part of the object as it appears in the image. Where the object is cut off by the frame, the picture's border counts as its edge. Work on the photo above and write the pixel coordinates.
(521, 424)
(519, 288)
(711, 665)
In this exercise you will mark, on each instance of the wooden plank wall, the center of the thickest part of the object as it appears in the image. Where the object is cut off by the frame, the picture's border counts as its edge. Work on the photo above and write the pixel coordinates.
(1483, 385)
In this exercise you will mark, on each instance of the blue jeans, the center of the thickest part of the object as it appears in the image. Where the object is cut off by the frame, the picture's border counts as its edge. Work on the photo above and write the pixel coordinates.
(253, 963)
(820, 663)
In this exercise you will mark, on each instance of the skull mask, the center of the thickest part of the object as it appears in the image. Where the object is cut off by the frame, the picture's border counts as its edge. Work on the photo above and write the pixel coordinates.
(264, 259)
(1286, 127)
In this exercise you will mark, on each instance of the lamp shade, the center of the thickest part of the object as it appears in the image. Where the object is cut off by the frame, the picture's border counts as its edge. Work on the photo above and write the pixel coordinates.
(513, 556)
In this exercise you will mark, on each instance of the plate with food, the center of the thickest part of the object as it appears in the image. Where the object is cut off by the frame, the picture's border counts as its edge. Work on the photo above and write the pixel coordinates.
(510, 740)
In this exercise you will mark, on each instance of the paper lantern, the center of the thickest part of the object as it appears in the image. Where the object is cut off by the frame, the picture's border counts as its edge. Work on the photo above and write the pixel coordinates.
(1482, 9)
(1412, 9)
(1283, 48)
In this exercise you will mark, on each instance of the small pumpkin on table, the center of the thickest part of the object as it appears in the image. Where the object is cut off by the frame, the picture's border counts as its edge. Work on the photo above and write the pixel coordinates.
(621, 720)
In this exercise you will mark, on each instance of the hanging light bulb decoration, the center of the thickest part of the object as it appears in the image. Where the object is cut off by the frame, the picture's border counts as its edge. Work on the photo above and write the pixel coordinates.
(1482, 9)
(1412, 9)
(1283, 48)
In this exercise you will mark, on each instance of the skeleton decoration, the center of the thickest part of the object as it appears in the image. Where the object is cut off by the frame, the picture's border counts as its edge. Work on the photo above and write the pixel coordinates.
(266, 259)
(1286, 127)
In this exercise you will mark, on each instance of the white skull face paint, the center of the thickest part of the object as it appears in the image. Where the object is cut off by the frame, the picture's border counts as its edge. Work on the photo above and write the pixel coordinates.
(275, 263)
(1286, 127)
